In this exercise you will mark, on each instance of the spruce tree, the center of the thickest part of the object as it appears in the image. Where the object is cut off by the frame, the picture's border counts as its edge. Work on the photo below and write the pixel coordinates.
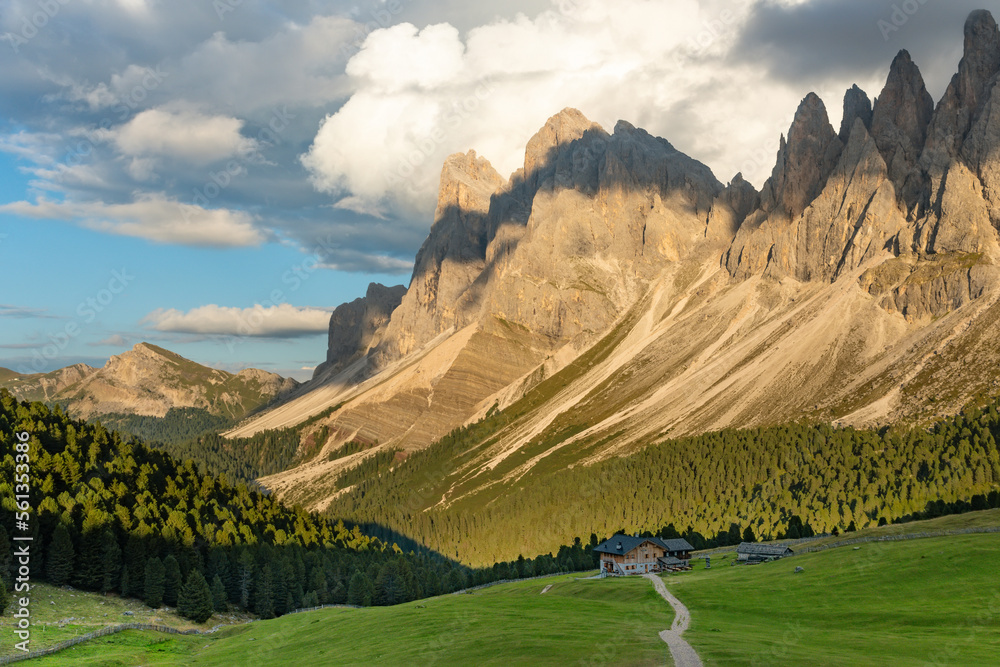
(219, 602)
(89, 574)
(153, 582)
(195, 598)
(134, 575)
(61, 555)
(171, 580)
(111, 554)
(263, 593)
(357, 590)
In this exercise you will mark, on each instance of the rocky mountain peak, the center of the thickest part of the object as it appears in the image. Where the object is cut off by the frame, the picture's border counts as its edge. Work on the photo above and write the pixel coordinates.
(981, 59)
(805, 160)
(900, 119)
(856, 105)
(559, 131)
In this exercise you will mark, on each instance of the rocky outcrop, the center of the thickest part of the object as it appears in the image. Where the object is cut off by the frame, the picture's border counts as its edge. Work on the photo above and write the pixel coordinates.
(899, 124)
(356, 327)
(451, 258)
(856, 106)
(965, 97)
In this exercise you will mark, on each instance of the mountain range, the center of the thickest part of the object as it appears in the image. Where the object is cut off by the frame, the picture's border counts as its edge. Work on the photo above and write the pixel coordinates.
(613, 292)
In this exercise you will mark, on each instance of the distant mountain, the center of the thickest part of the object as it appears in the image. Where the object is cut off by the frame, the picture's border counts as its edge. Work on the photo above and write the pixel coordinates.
(149, 381)
(614, 292)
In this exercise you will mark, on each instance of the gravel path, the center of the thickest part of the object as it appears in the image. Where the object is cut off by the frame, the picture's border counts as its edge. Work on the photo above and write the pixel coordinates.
(546, 589)
(684, 655)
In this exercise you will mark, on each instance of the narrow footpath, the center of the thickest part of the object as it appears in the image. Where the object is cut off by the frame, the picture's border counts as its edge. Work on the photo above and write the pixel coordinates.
(683, 653)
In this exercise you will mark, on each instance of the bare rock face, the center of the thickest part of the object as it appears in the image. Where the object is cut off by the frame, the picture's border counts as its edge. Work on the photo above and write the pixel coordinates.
(965, 97)
(899, 125)
(451, 258)
(856, 105)
(767, 241)
(357, 326)
(804, 161)
(731, 208)
(981, 150)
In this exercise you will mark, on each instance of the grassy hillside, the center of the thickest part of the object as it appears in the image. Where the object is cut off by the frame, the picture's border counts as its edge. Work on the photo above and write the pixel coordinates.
(919, 602)
(61, 613)
(599, 622)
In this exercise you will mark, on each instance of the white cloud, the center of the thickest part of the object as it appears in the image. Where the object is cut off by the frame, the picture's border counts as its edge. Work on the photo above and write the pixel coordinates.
(153, 217)
(191, 137)
(280, 321)
(422, 95)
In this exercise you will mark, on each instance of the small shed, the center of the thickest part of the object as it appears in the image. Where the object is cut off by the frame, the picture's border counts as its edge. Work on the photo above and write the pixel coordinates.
(749, 552)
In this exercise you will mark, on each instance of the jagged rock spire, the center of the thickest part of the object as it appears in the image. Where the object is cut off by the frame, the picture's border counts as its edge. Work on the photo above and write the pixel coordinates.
(856, 105)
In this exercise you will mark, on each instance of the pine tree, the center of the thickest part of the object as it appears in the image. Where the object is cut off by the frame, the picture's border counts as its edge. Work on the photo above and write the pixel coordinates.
(153, 582)
(61, 556)
(357, 590)
(111, 554)
(263, 593)
(195, 599)
(219, 602)
(171, 580)
(89, 574)
(748, 535)
(134, 574)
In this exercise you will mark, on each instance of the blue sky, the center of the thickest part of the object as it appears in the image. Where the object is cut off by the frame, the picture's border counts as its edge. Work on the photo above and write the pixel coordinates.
(211, 150)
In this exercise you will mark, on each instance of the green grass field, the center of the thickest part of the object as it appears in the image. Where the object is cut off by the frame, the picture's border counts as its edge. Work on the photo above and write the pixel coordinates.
(59, 614)
(593, 622)
(929, 601)
(933, 601)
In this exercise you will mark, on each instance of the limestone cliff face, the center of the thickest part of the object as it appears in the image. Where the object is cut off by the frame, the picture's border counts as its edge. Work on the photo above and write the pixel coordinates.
(356, 327)
(448, 262)
(912, 182)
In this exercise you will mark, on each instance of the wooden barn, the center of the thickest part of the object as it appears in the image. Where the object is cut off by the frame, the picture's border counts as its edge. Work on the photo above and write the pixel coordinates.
(624, 554)
(749, 552)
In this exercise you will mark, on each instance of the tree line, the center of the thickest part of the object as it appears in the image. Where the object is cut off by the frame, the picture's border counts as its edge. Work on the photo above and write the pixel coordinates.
(113, 515)
(790, 480)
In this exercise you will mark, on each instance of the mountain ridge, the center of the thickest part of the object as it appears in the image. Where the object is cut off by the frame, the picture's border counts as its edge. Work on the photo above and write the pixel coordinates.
(150, 381)
(617, 292)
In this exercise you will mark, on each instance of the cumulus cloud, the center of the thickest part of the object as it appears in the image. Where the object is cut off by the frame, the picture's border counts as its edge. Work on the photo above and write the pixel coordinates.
(191, 137)
(153, 217)
(280, 321)
(421, 95)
